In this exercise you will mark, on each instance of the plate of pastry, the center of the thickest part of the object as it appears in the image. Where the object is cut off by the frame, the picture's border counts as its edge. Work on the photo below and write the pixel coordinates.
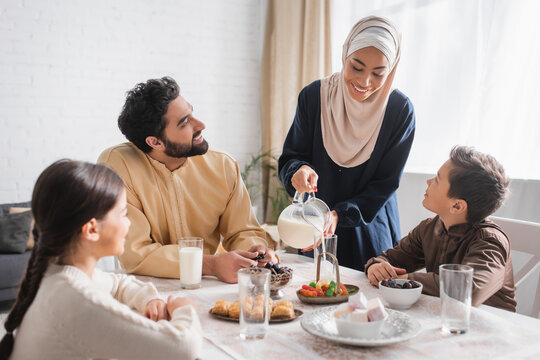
(281, 311)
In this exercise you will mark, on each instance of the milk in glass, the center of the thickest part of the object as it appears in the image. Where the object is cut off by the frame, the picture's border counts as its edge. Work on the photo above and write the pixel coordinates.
(191, 258)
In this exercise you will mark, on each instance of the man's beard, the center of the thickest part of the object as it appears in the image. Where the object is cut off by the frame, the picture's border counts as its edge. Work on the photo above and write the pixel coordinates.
(179, 150)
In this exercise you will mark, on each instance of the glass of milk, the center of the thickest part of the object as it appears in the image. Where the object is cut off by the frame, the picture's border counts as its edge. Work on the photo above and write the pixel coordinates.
(190, 250)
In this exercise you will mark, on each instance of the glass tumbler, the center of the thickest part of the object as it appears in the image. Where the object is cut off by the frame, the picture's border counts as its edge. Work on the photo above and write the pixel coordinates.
(455, 292)
(327, 245)
(254, 292)
(190, 251)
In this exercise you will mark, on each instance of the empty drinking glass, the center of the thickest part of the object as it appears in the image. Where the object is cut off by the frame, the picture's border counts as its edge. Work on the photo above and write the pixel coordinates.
(254, 292)
(455, 293)
(327, 245)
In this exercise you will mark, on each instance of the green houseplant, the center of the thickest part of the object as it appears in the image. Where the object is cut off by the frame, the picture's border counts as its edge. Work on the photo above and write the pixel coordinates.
(274, 200)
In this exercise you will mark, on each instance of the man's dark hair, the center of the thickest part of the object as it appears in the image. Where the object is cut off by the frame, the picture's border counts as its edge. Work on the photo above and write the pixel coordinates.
(144, 110)
(479, 179)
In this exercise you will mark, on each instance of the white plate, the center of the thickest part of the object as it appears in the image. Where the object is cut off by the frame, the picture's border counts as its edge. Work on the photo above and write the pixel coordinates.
(397, 327)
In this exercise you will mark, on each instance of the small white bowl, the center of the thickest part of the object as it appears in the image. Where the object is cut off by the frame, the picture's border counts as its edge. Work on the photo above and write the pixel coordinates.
(400, 299)
(356, 329)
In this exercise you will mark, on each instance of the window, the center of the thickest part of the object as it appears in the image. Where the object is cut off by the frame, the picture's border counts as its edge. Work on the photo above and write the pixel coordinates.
(471, 69)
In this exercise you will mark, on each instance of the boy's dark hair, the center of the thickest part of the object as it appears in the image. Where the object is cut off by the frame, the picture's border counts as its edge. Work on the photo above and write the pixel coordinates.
(144, 110)
(479, 179)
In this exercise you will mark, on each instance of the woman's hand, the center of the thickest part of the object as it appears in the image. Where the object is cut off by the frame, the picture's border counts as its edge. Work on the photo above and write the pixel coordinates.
(156, 310)
(384, 270)
(174, 303)
(305, 179)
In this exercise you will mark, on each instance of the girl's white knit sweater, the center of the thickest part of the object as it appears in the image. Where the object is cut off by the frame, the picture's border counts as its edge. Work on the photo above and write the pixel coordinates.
(75, 317)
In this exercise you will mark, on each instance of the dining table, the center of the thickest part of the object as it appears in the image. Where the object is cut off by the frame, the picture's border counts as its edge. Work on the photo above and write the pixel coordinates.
(492, 334)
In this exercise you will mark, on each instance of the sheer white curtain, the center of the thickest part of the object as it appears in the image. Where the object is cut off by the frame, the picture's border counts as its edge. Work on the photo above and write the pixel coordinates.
(471, 68)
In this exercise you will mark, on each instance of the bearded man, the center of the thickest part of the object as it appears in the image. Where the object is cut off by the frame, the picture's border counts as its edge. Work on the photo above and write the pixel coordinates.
(177, 187)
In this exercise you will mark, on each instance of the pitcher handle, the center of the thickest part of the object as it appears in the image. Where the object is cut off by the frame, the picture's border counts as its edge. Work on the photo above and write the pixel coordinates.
(299, 197)
(336, 266)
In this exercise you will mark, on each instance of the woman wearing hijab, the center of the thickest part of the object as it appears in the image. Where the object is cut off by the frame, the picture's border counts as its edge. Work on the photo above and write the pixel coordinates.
(350, 140)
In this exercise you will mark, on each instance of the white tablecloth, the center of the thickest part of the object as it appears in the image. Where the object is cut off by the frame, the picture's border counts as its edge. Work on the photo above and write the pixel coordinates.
(510, 336)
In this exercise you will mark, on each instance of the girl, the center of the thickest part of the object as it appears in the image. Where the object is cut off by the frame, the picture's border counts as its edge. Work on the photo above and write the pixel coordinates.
(67, 309)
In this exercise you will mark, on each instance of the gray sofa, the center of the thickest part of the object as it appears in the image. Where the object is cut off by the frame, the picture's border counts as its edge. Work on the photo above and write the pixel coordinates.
(12, 266)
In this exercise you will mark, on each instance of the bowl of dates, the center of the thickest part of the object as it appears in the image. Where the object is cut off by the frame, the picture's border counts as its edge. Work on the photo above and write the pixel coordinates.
(280, 277)
(400, 294)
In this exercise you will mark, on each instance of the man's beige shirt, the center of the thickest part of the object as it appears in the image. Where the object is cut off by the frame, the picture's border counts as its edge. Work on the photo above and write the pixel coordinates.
(205, 197)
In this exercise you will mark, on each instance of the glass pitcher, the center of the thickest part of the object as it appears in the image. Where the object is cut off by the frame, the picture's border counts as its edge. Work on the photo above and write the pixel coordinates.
(304, 221)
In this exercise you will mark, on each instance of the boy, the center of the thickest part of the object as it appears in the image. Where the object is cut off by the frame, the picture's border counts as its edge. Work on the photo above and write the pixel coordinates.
(468, 187)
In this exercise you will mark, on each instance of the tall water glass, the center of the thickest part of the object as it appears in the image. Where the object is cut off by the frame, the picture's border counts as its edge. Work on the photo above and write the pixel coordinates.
(455, 292)
(254, 292)
(327, 245)
(190, 250)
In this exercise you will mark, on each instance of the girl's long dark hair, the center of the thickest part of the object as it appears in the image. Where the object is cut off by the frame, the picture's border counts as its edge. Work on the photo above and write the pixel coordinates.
(66, 196)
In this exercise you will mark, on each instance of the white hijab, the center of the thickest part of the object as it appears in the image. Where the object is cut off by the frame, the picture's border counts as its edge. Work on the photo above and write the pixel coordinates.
(350, 128)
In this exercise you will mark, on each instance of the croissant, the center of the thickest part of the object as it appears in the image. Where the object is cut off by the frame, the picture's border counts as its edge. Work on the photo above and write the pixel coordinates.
(221, 308)
(234, 310)
(282, 312)
(257, 312)
(285, 303)
(259, 299)
(247, 304)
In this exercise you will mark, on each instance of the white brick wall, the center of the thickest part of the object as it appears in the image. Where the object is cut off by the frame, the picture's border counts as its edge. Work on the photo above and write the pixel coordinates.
(65, 67)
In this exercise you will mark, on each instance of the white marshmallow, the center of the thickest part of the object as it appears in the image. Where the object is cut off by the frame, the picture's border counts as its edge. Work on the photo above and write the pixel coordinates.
(357, 301)
(375, 310)
(360, 315)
